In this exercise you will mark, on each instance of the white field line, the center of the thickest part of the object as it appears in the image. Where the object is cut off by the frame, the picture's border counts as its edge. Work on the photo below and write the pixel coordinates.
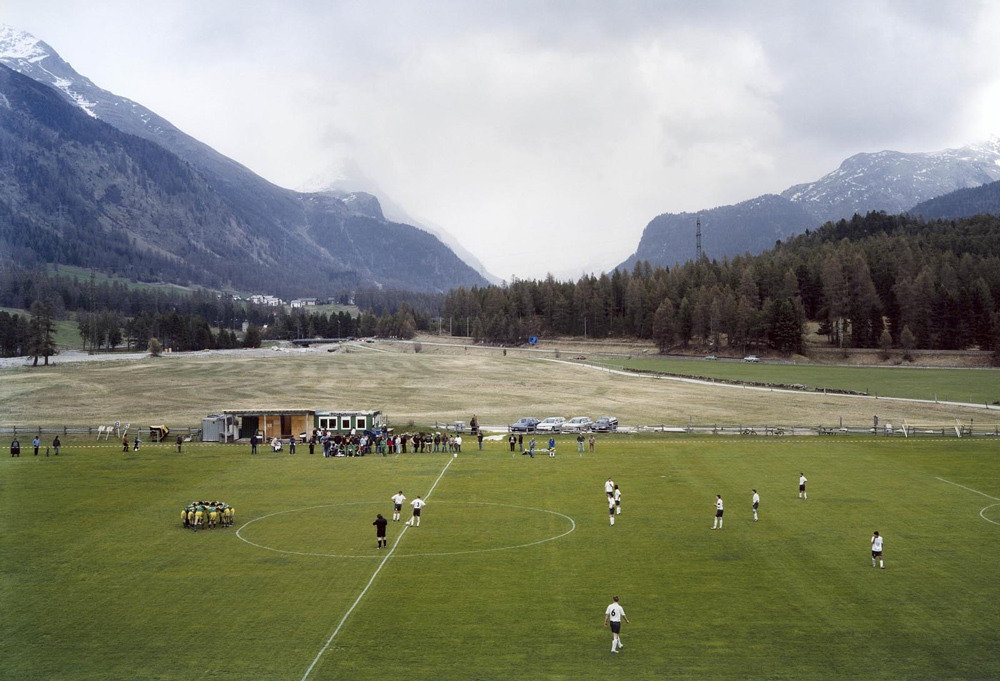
(370, 581)
(695, 381)
(969, 488)
(983, 510)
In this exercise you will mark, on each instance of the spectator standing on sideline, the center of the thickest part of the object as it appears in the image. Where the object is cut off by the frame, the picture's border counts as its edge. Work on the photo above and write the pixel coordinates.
(531, 447)
(512, 440)
(36, 443)
(312, 444)
(253, 443)
(593, 441)
(479, 436)
(125, 444)
(180, 441)
(614, 615)
(291, 445)
(15, 448)
(458, 444)
(380, 524)
(56, 444)
(579, 442)
(520, 442)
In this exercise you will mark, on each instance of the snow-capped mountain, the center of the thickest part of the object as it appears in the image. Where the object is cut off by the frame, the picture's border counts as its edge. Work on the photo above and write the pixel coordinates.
(894, 181)
(888, 181)
(285, 239)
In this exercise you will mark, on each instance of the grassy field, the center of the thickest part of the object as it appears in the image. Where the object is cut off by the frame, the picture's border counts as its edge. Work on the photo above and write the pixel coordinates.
(426, 387)
(514, 563)
(956, 385)
(67, 332)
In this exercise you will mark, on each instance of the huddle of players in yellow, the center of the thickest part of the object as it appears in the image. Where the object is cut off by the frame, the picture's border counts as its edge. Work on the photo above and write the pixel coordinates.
(207, 514)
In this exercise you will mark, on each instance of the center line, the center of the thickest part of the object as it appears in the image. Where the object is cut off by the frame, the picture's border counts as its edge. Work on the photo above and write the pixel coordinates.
(969, 488)
(365, 590)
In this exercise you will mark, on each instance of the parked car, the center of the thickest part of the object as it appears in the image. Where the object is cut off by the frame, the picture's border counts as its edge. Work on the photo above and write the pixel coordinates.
(524, 425)
(711, 357)
(551, 424)
(577, 424)
(605, 424)
(751, 358)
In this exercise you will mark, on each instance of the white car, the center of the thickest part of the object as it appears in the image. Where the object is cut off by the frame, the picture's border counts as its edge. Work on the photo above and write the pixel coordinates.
(753, 359)
(550, 425)
(577, 424)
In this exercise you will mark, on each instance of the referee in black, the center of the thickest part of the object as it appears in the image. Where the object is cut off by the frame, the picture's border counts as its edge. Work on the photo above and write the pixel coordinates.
(380, 524)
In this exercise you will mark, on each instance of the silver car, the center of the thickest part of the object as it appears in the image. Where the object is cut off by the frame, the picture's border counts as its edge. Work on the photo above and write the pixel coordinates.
(550, 425)
(577, 424)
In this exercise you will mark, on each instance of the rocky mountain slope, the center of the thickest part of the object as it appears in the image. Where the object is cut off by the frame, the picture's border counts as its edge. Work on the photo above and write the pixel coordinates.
(885, 181)
(290, 242)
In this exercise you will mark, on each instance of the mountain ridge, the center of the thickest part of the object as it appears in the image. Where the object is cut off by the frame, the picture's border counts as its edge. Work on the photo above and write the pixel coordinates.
(326, 227)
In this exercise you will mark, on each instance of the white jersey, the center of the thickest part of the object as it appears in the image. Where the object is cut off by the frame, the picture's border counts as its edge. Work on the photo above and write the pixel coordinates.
(618, 495)
(611, 502)
(614, 612)
(756, 498)
(718, 504)
(609, 487)
(418, 504)
(802, 480)
(876, 543)
(398, 499)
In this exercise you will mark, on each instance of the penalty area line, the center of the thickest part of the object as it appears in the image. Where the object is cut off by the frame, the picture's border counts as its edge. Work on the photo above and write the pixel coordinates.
(370, 581)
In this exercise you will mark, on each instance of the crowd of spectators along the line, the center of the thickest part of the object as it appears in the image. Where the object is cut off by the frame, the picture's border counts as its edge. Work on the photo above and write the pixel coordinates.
(384, 443)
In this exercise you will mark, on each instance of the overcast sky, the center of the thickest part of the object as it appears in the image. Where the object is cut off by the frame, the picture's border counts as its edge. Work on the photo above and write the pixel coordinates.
(544, 135)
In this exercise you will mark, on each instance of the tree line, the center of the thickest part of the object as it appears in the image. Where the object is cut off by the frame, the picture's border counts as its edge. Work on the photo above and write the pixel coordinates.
(868, 281)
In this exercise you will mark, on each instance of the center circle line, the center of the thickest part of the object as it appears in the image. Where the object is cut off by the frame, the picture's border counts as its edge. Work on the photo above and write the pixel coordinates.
(410, 555)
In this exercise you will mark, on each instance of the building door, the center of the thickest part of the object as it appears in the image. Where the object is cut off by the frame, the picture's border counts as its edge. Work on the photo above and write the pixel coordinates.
(286, 426)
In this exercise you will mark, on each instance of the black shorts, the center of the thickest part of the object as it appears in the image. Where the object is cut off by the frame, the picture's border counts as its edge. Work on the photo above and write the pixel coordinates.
(616, 627)
(397, 507)
(618, 502)
(755, 505)
(718, 514)
(876, 554)
(380, 535)
(611, 510)
(416, 512)
(802, 488)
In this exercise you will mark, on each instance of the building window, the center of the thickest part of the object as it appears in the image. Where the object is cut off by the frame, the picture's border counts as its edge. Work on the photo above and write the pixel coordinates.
(361, 422)
(345, 423)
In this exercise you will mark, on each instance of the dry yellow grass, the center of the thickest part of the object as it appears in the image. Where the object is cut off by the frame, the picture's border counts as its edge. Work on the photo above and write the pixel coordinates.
(438, 384)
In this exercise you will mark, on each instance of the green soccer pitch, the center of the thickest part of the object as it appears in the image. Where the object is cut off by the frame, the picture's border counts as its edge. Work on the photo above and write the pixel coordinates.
(510, 572)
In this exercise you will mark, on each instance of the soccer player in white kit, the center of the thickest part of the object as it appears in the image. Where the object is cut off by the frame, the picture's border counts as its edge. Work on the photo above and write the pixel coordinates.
(614, 614)
(877, 550)
(397, 505)
(717, 524)
(611, 510)
(618, 501)
(609, 488)
(417, 504)
(756, 503)
(802, 486)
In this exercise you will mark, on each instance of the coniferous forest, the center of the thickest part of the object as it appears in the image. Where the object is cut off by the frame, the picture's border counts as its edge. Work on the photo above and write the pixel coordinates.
(876, 281)
(867, 281)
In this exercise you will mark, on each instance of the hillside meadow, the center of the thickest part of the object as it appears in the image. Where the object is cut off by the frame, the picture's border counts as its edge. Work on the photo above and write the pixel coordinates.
(422, 387)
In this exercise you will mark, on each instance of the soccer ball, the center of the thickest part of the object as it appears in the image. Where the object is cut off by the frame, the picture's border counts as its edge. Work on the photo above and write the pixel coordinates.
(456, 455)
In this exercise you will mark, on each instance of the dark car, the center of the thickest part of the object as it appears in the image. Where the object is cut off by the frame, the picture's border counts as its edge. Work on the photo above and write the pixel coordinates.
(605, 424)
(528, 424)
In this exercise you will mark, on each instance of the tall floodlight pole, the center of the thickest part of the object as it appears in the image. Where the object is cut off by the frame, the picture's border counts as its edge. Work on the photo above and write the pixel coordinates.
(697, 240)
